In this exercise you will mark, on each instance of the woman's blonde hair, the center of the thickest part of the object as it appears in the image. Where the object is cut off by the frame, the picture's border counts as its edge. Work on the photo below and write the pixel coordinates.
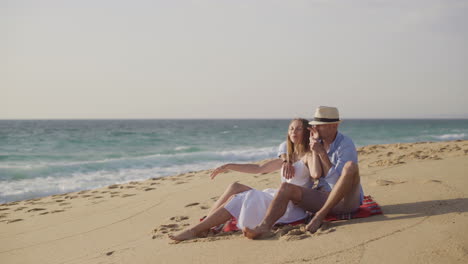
(302, 147)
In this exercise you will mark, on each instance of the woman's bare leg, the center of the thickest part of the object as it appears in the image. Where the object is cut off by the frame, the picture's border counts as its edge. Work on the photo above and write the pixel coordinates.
(219, 216)
(345, 189)
(234, 188)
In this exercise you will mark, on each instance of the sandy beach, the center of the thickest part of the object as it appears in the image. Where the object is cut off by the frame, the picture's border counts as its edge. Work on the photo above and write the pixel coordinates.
(421, 188)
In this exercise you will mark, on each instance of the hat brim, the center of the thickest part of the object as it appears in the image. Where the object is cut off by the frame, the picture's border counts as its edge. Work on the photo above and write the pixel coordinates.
(323, 123)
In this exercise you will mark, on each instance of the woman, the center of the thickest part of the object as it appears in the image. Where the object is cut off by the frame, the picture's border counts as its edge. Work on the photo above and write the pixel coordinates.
(249, 205)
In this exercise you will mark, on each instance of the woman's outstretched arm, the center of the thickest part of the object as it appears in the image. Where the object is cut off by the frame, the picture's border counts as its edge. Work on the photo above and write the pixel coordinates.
(267, 167)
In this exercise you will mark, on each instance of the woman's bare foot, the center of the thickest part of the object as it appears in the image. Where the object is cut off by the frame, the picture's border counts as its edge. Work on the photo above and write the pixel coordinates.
(184, 235)
(315, 223)
(255, 233)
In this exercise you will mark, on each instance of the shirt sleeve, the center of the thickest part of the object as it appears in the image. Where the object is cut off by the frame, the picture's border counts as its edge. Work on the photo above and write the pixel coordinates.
(282, 149)
(346, 152)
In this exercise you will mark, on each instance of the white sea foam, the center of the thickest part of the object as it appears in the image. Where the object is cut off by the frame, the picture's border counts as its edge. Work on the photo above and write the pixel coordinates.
(251, 154)
(37, 187)
(450, 136)
(75, 177)
(180, 148)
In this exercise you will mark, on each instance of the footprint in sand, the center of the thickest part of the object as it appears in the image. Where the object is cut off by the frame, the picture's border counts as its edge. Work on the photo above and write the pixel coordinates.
(180, 182)
(149, 189)
(179, 218)
(44, 213)
(114, 186)
(63, 204)
(296, 234)
(387, 182)
(433, 181)
(164, 229)
(192, 204)
(4, 209)
(128, 195)
(14, 220)
(35, 209)
(203, 207)
(214, 198)
(57, 211)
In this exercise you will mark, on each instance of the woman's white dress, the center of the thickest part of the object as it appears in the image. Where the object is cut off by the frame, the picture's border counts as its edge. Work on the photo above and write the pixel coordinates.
(250, 207)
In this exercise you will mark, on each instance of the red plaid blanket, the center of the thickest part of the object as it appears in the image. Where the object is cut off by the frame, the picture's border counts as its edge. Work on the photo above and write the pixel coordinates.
(368, 208)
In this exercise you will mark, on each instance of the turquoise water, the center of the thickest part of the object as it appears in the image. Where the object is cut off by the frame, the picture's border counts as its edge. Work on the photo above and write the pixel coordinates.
(45, 157)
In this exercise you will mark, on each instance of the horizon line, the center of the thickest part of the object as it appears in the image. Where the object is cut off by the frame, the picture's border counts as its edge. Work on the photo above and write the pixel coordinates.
(232, 118)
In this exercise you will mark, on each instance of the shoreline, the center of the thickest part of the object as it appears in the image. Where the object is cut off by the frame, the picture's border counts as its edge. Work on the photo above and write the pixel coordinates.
(361, 150)
(418, 185)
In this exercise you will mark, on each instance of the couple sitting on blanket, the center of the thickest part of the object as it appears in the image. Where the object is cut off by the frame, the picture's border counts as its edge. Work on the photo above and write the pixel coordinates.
(315, 151)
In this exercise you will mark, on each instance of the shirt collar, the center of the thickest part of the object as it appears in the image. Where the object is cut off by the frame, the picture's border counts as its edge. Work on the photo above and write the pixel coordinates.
(335, 142)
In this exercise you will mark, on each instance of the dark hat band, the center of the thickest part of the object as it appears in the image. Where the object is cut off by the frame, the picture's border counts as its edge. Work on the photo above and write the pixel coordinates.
(326, 119)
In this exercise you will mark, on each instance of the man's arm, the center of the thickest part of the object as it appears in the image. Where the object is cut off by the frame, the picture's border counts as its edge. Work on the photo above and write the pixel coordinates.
(315, 166)
(287, 168)
(318, 150)
(346, 152)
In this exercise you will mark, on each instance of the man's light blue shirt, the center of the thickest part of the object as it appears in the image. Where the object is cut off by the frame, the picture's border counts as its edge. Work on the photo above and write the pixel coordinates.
(282, 149)
(341, 151)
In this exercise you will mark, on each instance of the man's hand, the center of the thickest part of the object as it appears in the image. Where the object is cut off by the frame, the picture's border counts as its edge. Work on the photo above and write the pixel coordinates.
(315, 142)
(288, 170)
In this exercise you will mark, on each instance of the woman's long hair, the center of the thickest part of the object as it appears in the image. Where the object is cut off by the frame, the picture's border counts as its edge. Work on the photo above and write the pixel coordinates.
(302, 147)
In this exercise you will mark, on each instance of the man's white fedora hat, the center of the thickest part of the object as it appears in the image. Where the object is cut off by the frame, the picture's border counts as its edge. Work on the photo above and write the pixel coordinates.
(326, 115)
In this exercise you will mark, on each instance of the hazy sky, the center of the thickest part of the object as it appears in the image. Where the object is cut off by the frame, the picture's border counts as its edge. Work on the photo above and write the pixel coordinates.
(233, 59)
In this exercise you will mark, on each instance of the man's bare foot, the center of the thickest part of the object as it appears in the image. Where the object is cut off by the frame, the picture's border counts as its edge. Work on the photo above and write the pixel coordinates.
(184, 235)
(315, 223)
(255, 233)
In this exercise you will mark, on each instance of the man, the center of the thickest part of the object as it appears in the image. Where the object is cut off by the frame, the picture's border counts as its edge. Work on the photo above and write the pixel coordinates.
(339, 189)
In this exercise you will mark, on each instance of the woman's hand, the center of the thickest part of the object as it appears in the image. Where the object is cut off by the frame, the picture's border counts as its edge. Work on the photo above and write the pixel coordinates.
(219, 170)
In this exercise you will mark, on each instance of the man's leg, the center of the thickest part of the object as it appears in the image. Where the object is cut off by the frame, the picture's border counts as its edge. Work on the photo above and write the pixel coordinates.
(287, 192)
(346, 189)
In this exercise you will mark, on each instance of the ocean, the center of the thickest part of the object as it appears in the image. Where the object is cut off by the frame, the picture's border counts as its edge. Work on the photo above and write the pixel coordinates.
(46, 157)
